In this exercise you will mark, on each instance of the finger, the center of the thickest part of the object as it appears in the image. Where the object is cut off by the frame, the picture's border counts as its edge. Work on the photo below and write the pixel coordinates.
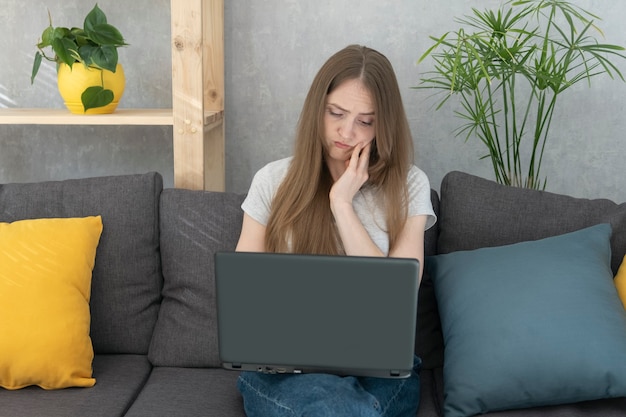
(367, 149)
(364, 156)
(354, 158)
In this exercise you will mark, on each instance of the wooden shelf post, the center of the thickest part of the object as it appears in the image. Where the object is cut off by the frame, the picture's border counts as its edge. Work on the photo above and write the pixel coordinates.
(198, 94)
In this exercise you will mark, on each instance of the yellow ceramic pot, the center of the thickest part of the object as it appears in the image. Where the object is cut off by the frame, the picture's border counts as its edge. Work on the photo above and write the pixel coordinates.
(73, 81)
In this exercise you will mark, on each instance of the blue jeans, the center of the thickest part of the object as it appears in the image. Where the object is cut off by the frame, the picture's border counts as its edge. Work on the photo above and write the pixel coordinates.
(320, 395)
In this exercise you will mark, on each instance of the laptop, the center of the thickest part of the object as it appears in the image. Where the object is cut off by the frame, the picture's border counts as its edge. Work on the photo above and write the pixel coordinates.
(292, 313)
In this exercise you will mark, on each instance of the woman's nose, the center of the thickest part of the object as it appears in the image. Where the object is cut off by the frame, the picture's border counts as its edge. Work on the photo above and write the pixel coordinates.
(346, 129)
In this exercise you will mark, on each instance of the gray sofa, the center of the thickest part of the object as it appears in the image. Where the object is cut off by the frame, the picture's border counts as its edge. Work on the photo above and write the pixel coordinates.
(153, 323)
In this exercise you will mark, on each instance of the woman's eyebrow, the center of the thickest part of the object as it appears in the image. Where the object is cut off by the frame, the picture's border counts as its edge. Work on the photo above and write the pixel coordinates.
(346, 111)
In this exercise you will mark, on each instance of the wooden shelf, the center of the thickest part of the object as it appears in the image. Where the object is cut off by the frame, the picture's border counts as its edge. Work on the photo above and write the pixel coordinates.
(145, 117)
(64, 117)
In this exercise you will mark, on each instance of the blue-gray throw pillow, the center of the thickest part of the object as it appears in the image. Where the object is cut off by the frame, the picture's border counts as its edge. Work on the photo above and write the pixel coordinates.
(530, 324)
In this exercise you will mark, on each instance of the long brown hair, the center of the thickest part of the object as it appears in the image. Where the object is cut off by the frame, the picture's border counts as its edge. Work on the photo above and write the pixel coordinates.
(300, 211)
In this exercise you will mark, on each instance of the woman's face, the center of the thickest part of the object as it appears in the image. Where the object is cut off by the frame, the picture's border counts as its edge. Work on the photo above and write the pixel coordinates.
(348, 120)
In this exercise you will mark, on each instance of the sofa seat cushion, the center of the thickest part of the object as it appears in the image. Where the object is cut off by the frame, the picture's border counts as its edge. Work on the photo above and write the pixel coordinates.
(189, 392)
(530, 324)
(476, 213)
(126, 282)
(119, 380)
(194, 225)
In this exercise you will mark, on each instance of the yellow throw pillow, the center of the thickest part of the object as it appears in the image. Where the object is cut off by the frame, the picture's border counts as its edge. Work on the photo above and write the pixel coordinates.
(45, 287)
(620, 281)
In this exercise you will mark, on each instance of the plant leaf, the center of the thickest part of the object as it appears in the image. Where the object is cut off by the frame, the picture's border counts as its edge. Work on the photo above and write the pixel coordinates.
(438, 41)
(36, 65)
(63, 48)
(46, 37)
(96, 96)
(105, 34)
(80, 36)
(104, 57)
(95, 17)
(60, 33)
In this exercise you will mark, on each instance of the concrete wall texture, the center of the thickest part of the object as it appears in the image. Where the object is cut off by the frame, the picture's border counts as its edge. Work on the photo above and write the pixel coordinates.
(272, 50)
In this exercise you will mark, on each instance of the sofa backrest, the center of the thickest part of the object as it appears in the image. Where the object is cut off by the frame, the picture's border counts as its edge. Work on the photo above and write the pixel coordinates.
(477, 213)
(126, 279)
(194, 225)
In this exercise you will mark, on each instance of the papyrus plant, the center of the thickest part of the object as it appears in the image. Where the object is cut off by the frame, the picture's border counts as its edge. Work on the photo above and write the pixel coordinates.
(508, 67)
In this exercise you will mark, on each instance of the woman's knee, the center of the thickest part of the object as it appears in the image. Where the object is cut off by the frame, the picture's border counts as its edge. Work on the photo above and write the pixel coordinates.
(305, 395)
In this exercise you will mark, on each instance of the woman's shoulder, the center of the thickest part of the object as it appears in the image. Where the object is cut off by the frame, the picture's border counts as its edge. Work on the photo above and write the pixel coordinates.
(271, 174)
(277, 168)
(417, 177)
(264, 185)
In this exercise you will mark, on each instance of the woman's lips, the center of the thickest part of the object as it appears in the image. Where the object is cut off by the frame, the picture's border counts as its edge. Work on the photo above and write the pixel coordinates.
(342, 145)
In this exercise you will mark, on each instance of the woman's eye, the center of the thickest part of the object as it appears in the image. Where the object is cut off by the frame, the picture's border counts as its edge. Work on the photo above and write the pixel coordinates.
(366, 122)
(334, 113)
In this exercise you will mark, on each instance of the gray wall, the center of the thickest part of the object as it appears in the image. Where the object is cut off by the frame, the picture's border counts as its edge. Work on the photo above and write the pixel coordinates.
(273, 49)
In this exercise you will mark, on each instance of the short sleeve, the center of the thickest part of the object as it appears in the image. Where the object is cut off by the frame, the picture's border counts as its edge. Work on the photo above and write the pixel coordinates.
(419, 196)
(266, 181)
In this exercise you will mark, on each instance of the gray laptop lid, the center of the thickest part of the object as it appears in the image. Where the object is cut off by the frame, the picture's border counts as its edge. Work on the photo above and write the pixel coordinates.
(286, 313)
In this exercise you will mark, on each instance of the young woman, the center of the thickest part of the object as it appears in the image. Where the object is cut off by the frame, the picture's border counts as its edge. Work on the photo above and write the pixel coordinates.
(349, 189)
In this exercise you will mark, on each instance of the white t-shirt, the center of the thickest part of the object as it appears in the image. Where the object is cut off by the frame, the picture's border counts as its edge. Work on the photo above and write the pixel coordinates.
(267, 180)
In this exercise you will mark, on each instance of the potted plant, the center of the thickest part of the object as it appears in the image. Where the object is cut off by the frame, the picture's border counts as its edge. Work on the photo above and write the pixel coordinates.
(508, 67)
(98, 82)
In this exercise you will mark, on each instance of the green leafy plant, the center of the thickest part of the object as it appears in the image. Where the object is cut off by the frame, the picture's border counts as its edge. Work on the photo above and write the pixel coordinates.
(508, 67)
(95, 46)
